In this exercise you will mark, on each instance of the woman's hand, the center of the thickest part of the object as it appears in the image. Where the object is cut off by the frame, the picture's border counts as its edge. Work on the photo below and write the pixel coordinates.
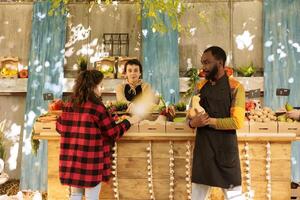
(294, 114)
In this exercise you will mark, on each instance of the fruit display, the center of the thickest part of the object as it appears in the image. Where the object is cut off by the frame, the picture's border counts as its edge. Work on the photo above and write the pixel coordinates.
(250, 105)
(9, 67)
(106, 66)
(284, 117)
(265, 114)
(23, 73)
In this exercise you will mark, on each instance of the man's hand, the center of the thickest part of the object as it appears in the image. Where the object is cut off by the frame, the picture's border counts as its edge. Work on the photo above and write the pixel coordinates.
(199, 120)
(294, 114)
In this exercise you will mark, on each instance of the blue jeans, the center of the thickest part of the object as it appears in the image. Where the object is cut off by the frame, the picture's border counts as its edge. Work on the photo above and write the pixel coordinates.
(90, 193)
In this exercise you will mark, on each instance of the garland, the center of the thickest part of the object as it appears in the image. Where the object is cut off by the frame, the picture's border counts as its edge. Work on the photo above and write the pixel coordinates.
(188, 170)
(150, 173)
(268, 171)
(171, 166)
(115, 173)
(250, 193)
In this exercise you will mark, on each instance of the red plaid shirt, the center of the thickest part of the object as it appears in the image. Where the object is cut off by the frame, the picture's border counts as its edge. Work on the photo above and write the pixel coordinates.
(87, 134)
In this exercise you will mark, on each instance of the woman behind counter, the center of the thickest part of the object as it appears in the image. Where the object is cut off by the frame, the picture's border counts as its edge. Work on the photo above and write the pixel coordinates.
(133, 87)
(87, 131)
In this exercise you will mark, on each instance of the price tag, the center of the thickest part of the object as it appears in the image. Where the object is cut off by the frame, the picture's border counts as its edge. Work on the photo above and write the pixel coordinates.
(282, 92)
(254, 94)
(48, 96)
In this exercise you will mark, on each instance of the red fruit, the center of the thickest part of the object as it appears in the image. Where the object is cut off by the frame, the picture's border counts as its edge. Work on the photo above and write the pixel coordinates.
(23, 73)
(229, 71)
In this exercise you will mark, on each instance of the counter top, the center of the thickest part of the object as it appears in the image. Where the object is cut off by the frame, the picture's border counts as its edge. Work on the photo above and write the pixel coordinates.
(283, 137)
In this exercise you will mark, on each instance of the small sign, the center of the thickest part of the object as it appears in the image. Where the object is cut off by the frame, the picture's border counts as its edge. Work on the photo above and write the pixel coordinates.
(282, 92)
(48, 96)
(254, 94)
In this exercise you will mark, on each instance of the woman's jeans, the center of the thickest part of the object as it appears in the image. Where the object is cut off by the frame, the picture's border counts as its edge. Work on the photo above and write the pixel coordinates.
(90, 193)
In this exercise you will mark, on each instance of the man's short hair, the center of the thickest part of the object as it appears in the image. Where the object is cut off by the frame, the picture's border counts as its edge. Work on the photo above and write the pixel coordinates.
(133, 62)
(217, 52)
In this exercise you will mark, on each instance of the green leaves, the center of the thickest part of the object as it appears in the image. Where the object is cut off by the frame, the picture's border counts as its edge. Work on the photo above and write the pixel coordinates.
(247, 71)
(58, 7)
(194, 78)
(157, 10)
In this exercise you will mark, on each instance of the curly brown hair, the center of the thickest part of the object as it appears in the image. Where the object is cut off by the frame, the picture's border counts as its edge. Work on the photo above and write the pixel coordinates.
(85, 84)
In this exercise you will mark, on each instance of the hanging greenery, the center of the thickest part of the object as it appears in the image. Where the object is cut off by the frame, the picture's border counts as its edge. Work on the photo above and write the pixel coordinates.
(58, 7)
(155, 10)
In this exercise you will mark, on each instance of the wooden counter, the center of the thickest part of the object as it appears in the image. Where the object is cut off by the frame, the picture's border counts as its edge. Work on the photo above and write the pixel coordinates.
(132, 165)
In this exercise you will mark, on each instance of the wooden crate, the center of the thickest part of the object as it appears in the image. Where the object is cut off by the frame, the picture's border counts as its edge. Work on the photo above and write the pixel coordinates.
(152, 126)
(133, 129)
(178, 127)
(289, 127)
(263, 127)
(40, 127)
(245, 128)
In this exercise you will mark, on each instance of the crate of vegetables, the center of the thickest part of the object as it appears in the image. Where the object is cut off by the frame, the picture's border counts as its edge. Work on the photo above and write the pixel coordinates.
(262, 121)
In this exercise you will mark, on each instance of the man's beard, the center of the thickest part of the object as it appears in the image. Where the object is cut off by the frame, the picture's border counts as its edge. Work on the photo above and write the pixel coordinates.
(212, 73)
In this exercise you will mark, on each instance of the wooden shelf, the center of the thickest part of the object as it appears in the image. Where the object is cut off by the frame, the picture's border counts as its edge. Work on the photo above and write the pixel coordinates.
(9, 86)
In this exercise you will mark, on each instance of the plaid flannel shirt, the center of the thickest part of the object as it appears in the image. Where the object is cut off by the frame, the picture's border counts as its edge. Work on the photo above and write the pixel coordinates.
(87, 134)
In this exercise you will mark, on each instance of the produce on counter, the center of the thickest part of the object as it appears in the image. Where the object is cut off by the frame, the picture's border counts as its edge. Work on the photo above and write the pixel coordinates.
(181, 107)
(262, 115)
(196, 108)
(284, 117)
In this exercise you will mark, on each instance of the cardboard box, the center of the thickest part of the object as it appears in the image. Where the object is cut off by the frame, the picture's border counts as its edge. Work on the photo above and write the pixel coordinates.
(289, 127)
(178, 127)
(245, 128)
(146, 126)
(263, 127)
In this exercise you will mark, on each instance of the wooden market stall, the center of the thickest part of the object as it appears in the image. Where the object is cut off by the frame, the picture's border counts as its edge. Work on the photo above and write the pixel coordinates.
(158, 164)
